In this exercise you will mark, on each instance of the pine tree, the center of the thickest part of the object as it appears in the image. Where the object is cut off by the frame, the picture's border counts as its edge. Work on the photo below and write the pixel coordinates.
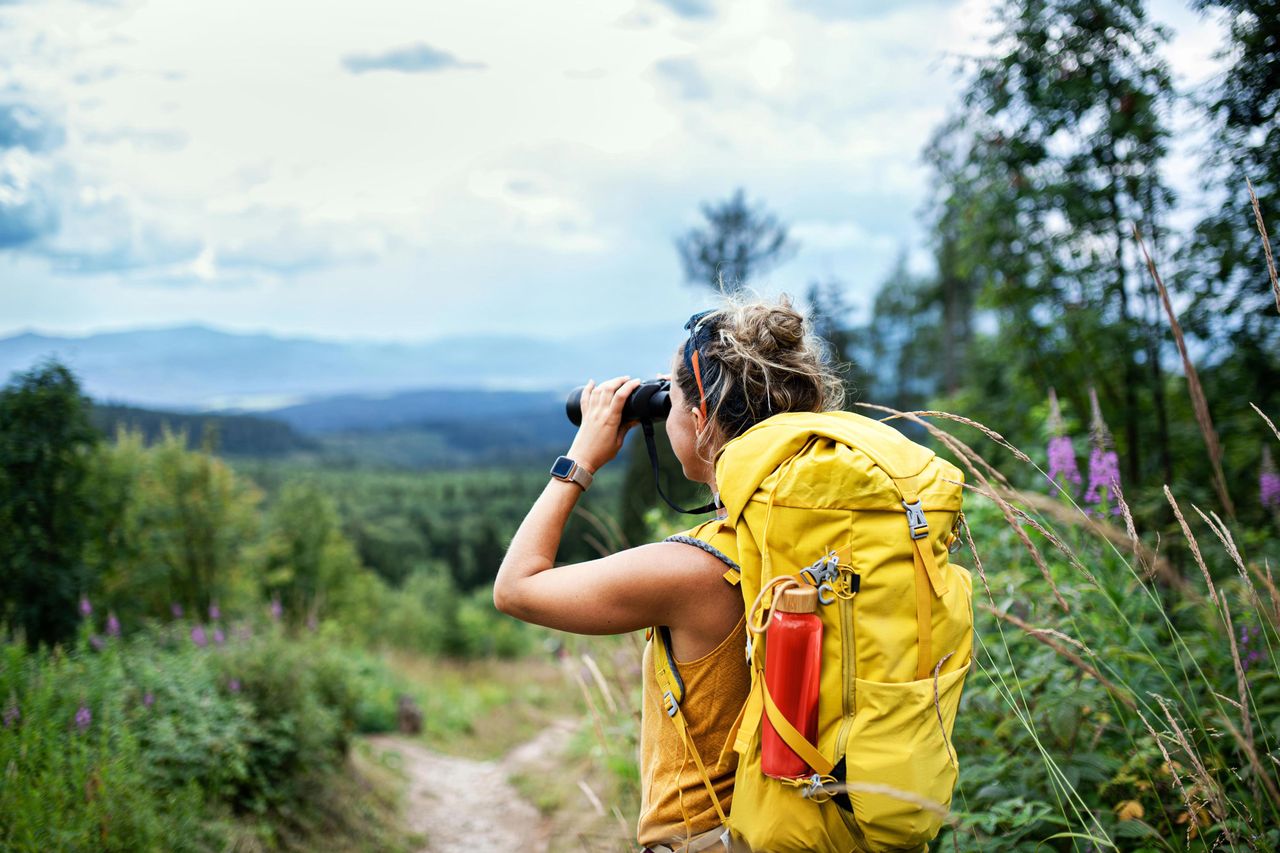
(737, 242)
(45, 513)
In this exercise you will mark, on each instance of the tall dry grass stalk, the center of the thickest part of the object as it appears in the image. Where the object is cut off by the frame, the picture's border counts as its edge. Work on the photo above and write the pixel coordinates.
(1194, 546)
(1050, 637)
(1267, 419)
(1052, 537)
(1204, 780)
(1157, 565)
(1198, 402)
(1266, 242)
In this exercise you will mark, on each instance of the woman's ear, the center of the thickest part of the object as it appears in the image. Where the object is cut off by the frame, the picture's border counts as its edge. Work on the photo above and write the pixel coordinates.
(699, 421)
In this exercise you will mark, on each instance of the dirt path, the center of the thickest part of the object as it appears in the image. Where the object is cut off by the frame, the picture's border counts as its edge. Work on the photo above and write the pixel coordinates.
(463, 804)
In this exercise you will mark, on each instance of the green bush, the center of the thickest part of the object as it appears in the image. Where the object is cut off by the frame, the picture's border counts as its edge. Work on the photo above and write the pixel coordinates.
(157, 743)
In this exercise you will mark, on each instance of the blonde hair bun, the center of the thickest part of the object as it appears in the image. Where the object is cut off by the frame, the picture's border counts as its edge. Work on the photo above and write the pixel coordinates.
(761, 358)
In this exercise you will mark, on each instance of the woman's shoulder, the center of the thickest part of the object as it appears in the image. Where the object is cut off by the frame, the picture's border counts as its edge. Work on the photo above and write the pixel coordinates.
(715, 537)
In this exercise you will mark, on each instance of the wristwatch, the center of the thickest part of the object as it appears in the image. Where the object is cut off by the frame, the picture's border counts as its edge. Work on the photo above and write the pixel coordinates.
(566, 469)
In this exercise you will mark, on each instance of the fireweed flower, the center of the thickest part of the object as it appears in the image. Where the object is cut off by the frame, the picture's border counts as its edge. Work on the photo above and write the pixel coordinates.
(97, 643)
(12, 716)
(84, 718)
(1062, 454)
(148, 699)
(176, 610)
(86, 609)
(276, 609)
(198, 636)
(1104, 465)
(215, 613)
(113, 625)
(1249, 656)
(218, 637)
(1269, 481)
(234, 685)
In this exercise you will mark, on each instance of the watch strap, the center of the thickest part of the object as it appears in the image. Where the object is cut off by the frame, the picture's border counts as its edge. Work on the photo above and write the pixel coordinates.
(577, 473)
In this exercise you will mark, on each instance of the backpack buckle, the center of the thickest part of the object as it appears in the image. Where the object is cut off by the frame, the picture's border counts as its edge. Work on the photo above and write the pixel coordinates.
(673, 707)
(825, 570)
(916, 522)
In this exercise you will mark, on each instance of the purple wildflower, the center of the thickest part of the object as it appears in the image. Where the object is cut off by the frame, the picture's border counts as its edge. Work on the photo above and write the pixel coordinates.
(12, 716)
(86, 609)
(113, 625)
(97, 643)
(218, 637)
(1062, 463)
(313, 622)
(234, 685)
(176, 610)
(1269, 481)
(1104, 465)
(277, 610)
(148, 699)
(1249, 656)
(215, 613)
(198, 636)
(84, 717)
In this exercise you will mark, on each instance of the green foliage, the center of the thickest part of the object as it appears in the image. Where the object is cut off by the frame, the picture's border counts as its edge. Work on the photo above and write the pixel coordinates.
(229, 434)
(177, 526)
(461, 520)
(46, 513)
(157, 744)
(1233, 301)
(307, 563)
(1097, 720)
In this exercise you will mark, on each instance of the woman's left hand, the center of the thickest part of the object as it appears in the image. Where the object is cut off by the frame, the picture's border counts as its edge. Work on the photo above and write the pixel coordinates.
(600, 437)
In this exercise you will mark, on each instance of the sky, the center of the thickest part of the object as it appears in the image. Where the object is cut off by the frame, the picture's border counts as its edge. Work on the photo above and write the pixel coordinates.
(409, 170)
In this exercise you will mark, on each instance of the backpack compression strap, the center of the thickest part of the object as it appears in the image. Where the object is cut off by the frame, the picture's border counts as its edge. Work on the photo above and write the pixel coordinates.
(928, 576)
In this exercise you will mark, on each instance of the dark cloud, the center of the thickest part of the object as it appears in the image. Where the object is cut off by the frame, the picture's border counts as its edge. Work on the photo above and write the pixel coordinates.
(854, 10)
(683, 73)
(23, 219)
(689, 8)
(413, 59)
(21, 126)
(27, 210)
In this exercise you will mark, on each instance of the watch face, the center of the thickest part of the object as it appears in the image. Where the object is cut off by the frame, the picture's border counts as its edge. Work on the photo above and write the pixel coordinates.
(563, 466)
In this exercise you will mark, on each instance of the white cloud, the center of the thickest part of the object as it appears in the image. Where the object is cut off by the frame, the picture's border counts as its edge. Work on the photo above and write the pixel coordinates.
(222, 144)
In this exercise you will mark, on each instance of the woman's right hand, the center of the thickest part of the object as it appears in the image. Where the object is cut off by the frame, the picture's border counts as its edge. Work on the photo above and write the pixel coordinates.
(600, 437)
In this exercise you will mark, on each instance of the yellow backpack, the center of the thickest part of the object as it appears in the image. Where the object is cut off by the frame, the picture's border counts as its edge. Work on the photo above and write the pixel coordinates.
(853, 507)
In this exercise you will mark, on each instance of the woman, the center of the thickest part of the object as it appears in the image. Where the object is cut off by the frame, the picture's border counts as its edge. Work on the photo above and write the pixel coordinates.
(740, 364)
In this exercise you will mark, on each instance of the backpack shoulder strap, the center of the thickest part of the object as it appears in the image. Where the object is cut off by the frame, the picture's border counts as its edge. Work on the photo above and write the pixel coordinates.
(672, 687)
(712, 537)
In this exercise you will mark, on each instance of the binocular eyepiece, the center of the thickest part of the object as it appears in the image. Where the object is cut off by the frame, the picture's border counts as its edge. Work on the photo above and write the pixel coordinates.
(651, 401)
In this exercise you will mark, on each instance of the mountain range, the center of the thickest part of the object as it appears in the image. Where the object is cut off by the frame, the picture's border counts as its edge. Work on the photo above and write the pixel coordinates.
(197, 368)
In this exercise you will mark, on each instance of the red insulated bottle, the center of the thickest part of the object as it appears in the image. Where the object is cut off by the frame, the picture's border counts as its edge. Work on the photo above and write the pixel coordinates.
(792, 667)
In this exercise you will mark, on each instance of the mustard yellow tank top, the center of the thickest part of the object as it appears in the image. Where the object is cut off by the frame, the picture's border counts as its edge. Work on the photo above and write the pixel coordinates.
(674, 802)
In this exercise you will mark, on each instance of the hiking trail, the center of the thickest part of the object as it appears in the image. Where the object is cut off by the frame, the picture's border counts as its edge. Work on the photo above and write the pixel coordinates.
(465, 804)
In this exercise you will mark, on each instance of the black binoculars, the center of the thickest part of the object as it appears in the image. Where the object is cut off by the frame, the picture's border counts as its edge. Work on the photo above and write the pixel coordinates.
(651, 401)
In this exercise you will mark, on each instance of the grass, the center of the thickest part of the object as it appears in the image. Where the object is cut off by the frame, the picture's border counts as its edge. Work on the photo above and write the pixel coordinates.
(480, 709)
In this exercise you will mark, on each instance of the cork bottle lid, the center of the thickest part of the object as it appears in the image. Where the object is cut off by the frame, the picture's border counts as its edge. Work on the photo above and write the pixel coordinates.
(803, 599)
